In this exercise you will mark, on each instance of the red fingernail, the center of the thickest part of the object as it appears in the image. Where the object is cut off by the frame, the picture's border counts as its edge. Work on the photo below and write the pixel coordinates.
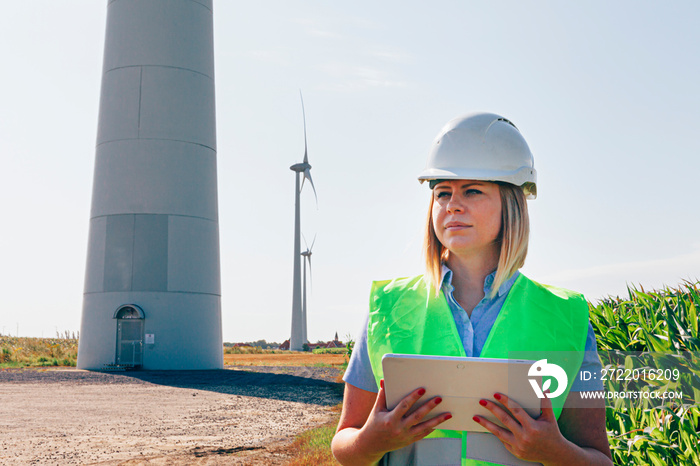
(482, 402)
(438, 400)
(449, 416)
(421, 392)
(381, 382)
(497, 396)
(476, 419)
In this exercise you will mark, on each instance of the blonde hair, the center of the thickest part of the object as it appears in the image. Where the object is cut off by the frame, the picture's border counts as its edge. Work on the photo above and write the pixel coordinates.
(514, 237)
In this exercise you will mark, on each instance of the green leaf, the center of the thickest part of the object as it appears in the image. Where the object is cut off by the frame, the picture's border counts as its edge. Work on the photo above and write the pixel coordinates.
(655, 459)
(693, 319)
(656, 342)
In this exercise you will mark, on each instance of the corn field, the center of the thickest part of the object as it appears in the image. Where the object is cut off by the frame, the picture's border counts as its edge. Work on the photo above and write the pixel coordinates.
(661, 329)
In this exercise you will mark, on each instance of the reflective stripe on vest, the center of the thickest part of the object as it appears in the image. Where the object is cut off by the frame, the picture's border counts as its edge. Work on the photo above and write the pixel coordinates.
(536, 321)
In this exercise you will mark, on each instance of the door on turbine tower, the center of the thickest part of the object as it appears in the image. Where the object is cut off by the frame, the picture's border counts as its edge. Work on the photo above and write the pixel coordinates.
(129, 335)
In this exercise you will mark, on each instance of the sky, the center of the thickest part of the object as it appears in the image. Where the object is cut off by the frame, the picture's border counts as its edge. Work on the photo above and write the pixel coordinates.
(605, 93)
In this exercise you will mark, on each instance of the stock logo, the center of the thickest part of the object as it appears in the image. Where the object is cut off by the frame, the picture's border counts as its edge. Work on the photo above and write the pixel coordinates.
(544, 369)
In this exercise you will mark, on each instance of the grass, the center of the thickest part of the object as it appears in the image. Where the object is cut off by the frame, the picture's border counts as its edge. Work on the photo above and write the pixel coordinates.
(330, 351)
(17, 352)
(247, 350)
(324, 364)
(313, 447)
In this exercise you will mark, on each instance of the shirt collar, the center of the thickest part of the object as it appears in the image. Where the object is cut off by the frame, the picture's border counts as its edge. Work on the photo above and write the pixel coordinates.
(446, 281)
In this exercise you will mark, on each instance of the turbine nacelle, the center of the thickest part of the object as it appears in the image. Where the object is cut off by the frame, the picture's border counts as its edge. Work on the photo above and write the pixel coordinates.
(300, 167)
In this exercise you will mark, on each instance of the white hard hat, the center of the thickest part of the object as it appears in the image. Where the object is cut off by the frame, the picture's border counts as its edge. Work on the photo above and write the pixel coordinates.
(482, 146)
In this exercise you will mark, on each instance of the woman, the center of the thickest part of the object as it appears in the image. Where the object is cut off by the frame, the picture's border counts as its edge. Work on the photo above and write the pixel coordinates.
(474, 302)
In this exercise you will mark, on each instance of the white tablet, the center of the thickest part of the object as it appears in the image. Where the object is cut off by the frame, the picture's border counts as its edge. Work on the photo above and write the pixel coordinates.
(461, 382)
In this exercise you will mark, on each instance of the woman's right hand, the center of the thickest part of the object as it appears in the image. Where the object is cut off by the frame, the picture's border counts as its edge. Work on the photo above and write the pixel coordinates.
(387, 430)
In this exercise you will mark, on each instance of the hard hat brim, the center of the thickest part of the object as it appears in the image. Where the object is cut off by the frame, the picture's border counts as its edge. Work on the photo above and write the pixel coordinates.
(517, 177)
(525, 177)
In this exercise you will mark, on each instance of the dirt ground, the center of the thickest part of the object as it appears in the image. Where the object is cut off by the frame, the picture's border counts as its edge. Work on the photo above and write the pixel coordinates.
(242, 415)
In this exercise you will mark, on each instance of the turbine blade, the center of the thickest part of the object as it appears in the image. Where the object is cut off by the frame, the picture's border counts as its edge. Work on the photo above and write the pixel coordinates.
(311, 277)
(307, 174)
(307, 244)
(312, 244)
(303, 113)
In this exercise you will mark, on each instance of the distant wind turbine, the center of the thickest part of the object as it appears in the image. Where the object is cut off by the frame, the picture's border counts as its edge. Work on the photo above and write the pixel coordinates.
(298, 337)
(307, 257)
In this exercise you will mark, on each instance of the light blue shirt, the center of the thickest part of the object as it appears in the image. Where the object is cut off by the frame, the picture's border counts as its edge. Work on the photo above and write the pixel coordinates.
(473, 331)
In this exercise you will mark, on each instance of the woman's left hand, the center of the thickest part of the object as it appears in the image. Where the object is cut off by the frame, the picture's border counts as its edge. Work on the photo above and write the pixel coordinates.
(527, 438)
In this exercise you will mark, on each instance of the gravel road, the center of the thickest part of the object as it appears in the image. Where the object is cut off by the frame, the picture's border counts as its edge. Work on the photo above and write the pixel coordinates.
(233, 416)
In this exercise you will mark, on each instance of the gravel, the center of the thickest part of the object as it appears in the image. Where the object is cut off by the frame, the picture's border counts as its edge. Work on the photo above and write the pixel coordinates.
(234, 416)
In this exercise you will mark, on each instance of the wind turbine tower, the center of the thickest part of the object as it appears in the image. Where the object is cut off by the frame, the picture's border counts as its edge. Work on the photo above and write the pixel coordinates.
(152, 295)
(307, 258)
(298, 337)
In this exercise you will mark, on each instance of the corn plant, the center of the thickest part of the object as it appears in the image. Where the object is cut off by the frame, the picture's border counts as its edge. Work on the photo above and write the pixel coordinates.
(662, 326)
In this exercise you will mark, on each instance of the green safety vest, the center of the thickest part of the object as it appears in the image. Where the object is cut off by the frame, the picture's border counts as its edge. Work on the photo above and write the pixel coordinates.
(407, 316)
